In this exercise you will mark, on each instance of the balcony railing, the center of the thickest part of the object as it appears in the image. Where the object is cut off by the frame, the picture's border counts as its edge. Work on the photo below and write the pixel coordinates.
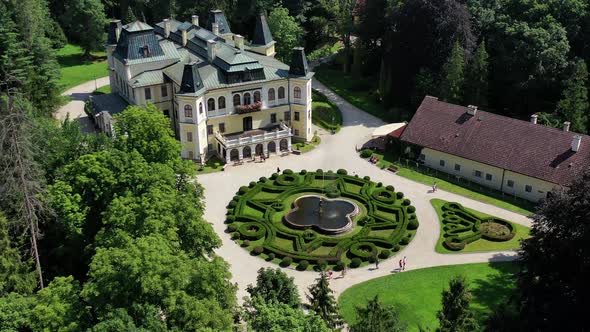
(282, 132)
(242, 109)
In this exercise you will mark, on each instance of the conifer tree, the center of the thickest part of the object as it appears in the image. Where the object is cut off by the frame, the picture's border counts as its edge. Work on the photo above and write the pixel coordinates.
(322, 301)
(456, 316)
(87, 16)
(476, 81)
(453, 76)
(376, 317)
(574, 107)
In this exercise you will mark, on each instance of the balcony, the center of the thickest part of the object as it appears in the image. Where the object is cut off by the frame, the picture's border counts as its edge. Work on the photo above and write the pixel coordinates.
(244, 109)
(271, 133)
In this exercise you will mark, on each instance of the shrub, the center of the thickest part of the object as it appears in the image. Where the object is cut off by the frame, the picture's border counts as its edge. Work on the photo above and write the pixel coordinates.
(230, 219)
(271, 256)
(258, 250)
(319, 171)
(363, 250)
(396, 248)
(367, 178)
(286, 261)
(333, 194)
(235, 236)
(322, 264)
(390, 188)
(252, 184)
(379, 184)
(355, 262)
(303, 172)
(252, 231)
(399, 195)
(232, 227)
(232, 204)
(413, 224)
(411, 209)
(406, 202)
(243, 190)
(342, 171)
(246, 243)
(263, 179)
(274, 176)
(339, 266)
(366, 153)
(384, 254)
(288, 171)
(302, 266)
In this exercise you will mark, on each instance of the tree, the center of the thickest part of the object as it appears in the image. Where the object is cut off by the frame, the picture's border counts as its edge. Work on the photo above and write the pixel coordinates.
(553, 291)
(146, 130)
(345, 28)
(278, 317)
(574, 105)
(476, 78)
(21, 185)
(286, 32)
(424, 85)
(453, 76)
(376, 317)
(322, 301)
(86, 21)
(456, 316)
(15, 274)
(274, 286)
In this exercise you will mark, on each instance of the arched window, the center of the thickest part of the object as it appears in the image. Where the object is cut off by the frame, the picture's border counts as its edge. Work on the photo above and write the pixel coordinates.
(256, 96)
(236, 99)
(271, 94)
(247, 99)
(221, 103)
(200, 108)
(211, 104)
(297, 92)
(281, 93)
(188, 111)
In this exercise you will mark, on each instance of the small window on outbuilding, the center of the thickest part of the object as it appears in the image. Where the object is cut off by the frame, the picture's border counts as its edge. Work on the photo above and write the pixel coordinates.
(489, 177)
(442, 163)
(148, 93)
(457, 167)
(528, 188)
(478, 174)
(510, 183)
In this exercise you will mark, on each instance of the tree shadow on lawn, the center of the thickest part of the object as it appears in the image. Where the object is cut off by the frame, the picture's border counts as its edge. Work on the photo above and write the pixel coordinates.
(77, 59)
(496, 288)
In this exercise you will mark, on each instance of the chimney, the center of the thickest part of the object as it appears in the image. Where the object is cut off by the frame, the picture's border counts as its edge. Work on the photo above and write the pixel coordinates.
(566, 126)
(195, 20)
(576, 143)
(184, 37)
(239, 41)
(215, 29)
(211, 46)
(472, 110)
(534, 118)
(114, 32)
(166, 27)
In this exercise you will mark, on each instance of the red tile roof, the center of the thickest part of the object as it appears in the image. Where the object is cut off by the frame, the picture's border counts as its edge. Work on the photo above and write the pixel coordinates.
(398, 132)
(519, 146)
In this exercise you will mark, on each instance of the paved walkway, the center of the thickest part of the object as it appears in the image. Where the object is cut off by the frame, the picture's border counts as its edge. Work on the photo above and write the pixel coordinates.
(75, 108)
(338, 151)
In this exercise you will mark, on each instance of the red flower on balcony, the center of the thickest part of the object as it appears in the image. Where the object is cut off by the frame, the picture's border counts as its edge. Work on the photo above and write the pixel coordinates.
(241, 109)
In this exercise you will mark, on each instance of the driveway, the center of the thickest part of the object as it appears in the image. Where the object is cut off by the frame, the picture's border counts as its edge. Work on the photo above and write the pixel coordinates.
(75, 108)
(338, 151)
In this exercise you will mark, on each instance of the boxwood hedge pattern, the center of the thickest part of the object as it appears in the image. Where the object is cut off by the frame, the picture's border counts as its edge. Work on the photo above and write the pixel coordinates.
(255, 214)
(461, 227)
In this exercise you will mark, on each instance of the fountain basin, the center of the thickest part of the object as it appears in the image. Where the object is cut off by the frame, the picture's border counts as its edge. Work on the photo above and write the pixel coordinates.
(332, 216)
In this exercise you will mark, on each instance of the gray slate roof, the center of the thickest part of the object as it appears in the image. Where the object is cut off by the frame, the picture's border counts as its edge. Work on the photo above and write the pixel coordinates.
(135, 38)
(299, 65)
(262, 35)
(218, 17)
(191, 79)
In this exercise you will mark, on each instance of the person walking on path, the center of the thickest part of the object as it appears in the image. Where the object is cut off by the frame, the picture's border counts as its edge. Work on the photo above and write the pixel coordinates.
(434, 187)
(404, 263)
(278, 170)
(400, 265)
(376, 263)
(343, 272)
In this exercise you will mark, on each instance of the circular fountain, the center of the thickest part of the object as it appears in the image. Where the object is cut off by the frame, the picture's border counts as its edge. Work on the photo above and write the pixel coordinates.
(328, 216)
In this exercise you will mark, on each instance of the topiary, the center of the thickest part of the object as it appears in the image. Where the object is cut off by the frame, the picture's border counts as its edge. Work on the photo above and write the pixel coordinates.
(288, 171)
(390, 188)
(252, 184)
(367, 178)
(379, 184)
(230, 218)
(274, 176)
(263, 179)
(396, 248)
(366, 153)
(406, 202)
(271, 256)
(258, 250)
(246, 243)
(319, 171)
(243, 190)
(411, 209)
(235, 236)
(322, 264)
(342, 171)
(302, 266)
(413, 224)
(286, 261)
(355, 262)
(232, 204)
(339, 266)
(384, 254)
(399, 195)
(303, 172)
(232, 227)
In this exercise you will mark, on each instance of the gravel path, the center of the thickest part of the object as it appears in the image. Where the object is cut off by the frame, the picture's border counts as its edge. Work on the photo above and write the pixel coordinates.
(75, 108)
(338, 151)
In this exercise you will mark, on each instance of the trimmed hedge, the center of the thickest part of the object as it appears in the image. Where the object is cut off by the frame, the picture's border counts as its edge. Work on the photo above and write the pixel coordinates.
(253, 217)
(366, 153)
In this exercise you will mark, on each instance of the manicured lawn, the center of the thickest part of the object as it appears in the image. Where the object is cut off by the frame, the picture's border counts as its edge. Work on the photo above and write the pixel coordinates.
(417, 294)
(362, 93)
(76, 70)
(212, 165)
(325, 113)
(102, 90)
(522, 232)
(306, 147)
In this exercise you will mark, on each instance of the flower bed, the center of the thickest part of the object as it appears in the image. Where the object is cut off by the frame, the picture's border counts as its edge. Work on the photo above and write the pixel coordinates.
(387, 221)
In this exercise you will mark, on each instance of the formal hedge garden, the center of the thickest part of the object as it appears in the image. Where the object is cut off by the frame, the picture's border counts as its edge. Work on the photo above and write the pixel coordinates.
(461, 227)
(385, 224)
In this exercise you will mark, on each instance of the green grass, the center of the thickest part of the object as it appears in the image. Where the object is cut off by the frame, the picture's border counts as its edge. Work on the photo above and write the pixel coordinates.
(102, 90)
(325, 113)
(75, 69)
(214, 164)
(304, 147)
(386, 160)
(417, 294)
(325, 50)
(522, 232)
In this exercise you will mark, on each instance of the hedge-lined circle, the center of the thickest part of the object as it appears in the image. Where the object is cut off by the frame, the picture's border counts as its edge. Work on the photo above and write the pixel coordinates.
(386, 223)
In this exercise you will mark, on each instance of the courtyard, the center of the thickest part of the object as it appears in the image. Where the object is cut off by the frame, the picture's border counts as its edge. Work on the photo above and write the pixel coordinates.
(339, 151)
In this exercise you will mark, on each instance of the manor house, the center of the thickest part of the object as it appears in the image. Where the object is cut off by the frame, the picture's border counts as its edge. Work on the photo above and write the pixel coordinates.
(224, 96)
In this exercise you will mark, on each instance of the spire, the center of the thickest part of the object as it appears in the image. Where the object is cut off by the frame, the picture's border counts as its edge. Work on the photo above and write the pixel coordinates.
(298, 62)
(262, 35)
(191, 80)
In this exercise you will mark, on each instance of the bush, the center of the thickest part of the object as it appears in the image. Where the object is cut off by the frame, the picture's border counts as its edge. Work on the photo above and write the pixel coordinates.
(399, 195)
(390, 188)
(263, 179)
(342, 171)
(232, 204)
(413, 224)
(235, 236)
(396, 248)
(333, 194)
(258, 250)
(379, 184)
(302, 266)
(288, 171)
(243, 190)
(384, 254)
(230, 219)
(252, 184)
(366, 153)
(355, 262)
(232, 227)
(246, 243)
(339, 266)
(322, 264)
(367, 178)
(286, 261)
(303, 172)
(319, 171)
(271, 256)
(406, 202)
(411, 209)
(274, 176)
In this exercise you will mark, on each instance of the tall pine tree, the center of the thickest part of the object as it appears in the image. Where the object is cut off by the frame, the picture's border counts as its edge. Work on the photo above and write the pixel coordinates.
(456, 316)
(476, 80)
(322, 301)
(376, 317)
(453, 76)
(574, 106)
